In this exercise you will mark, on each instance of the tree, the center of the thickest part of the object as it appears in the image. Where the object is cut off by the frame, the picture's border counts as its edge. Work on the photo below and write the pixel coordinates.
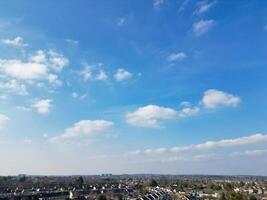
(153, 183)
(252, 197)
(102, 197)
(228, 186)
(223, 197)
(79, 181)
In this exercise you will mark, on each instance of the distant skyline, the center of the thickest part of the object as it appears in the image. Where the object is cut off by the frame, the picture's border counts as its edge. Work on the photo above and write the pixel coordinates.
(143, 86)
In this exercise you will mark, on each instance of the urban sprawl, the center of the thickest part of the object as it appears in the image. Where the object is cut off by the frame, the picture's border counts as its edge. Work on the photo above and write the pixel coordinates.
(130, 187)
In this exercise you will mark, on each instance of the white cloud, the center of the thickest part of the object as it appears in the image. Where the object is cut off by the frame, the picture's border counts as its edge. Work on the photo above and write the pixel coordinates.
(85, 129)
(14, 87)
(158, 3)
(75, 95)
(185, 104)
(176, 56)
(183, 5)
(257, 152)
(101, 76)
(121, 21)
(204, 6)
(42, 66)
(3, 119)
(203, 26)
(38, 57)
(56, 60)
(23, 70)
(188, 111)
(16, 42)
(92, 73)
(149, 116)
(213, 98)
(71, 41)
(52, 59)
(194, 158)
(87, 73)
(209, 145)
(43, 106)
(122, 74)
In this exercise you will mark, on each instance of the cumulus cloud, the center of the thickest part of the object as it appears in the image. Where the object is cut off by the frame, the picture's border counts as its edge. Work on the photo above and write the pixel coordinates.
(149, 116)
(16, 42)
(101, 75)
(204, 6)
(92, 73)
(42, 66)
(14, 87)
(122, 74)
(85, 129)
(3, 119)
(213, 98)
(43, 106)
(188, 111)
(54, 60)
(209, 145)
(23, 70)
(87, 73)
(176, 56)
(203, 26)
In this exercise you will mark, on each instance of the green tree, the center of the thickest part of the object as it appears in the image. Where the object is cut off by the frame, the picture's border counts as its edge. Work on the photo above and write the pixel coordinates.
(153, 183)
(223, 197)
(79, 181)
(252, 197)
(228, 186)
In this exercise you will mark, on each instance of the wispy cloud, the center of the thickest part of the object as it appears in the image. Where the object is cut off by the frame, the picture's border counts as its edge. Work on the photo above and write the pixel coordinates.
(176, 56)
(204, 6)
(183, 5)
(158, 3)
(255, 152)
(209, 145)
(203, 26)
(16, 42)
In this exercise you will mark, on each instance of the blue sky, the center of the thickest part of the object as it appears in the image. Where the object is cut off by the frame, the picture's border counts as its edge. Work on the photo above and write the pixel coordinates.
(144, 86)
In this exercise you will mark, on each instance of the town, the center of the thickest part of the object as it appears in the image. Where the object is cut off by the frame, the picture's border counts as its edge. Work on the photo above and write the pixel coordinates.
(129, 187)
